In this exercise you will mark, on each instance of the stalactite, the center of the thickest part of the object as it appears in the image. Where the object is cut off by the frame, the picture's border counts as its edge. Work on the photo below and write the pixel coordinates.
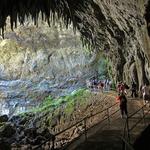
(51, 11)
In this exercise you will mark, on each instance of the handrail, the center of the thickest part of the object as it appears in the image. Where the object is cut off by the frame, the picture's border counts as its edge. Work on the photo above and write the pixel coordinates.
(52, 139)
(137, 122)
(137, 111)
(140, 119)
(101, 111)
(126, 143)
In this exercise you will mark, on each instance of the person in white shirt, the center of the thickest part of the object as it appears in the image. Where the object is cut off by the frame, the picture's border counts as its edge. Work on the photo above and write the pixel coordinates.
(146, 93)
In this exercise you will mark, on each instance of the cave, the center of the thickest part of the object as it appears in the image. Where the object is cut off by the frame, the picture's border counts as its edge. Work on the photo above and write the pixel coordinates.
(62, 62)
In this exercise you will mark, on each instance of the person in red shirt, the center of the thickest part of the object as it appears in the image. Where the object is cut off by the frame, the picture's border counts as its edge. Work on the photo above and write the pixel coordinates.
(121, 98)
(121, 87)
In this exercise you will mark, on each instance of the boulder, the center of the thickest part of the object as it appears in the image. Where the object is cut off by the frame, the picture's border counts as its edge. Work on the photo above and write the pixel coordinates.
(4, 145)
(44, 132)
(7, 130)
(30, 132)
(3, 118)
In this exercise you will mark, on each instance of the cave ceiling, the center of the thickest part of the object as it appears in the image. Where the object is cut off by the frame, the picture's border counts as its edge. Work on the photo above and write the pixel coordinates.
(85, 16)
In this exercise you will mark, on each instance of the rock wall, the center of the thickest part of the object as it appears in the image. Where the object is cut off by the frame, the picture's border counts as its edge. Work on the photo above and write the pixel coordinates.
(38, 53)
(120, 30)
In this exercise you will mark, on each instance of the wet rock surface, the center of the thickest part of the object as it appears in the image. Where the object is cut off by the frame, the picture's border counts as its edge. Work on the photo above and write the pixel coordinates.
(18, 131)
(3, 118)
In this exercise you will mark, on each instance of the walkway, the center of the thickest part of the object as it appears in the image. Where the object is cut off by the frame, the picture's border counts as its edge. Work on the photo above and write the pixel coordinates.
(108, 138)
(102, 130)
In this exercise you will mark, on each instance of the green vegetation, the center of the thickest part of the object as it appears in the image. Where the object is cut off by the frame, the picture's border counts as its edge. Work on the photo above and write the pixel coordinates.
(76, 98)
(50, 104)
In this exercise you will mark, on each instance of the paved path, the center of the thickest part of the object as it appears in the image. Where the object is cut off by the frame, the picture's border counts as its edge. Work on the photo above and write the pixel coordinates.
(108, 137)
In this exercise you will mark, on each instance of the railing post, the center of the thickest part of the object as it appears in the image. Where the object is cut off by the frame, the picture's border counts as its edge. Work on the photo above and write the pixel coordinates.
(108, 116)
(30, 147)
(143, 116)
(123, 145)
(128, 131)
(85, 128)
(53, 142)
(124, 136)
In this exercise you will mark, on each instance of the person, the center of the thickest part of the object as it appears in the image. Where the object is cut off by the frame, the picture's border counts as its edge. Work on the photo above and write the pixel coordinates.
(94, 83)
(133, 89)
(145, 93)
(100, 86)
(123, 104)
(121, 88)
(141, 91)
(107, 86)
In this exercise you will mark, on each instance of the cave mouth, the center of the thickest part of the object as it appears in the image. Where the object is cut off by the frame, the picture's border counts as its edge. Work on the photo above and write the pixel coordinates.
(25, 83)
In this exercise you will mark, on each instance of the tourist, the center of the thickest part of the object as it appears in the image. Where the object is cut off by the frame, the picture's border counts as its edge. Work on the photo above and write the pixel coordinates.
(94, 81)
(101, 86)
(121, 88)
(134, 90)
(146, 93)
(123, 104)
(107, 85)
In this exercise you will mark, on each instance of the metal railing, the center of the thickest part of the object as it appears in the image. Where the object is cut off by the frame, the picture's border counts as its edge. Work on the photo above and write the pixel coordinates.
(59, 140)
(125, 144)
(84, 124)
(52, 143)
(128, 129)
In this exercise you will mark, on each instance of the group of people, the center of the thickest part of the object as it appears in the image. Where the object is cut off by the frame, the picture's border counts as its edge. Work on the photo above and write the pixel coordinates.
(100, 85)
(123, 88)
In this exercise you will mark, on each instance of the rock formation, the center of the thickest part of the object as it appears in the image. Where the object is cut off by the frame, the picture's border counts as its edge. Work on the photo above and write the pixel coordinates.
(115, 28)
(120, 30)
